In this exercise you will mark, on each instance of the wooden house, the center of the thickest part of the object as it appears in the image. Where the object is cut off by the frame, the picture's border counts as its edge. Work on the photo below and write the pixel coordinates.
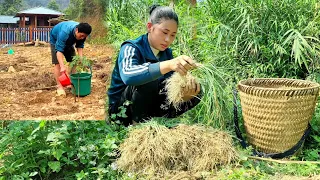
(8, 21)
(37, 17)
(28, 25)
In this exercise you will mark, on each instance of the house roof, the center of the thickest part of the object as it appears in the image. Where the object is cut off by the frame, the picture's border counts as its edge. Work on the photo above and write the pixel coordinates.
(8, 19)
(40, 10)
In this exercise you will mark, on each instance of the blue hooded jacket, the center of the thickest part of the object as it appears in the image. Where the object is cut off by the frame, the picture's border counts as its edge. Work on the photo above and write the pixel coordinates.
(62, 36)
(136, 65)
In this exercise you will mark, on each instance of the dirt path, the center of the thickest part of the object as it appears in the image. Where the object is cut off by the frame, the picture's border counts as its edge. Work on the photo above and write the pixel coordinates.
(23, 94)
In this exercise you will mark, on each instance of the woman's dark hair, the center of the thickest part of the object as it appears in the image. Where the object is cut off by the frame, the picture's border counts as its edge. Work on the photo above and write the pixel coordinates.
(158, 13)
(84, 28)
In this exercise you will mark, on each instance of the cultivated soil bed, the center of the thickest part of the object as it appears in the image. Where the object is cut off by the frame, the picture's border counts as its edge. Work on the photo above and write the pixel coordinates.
(28, 92)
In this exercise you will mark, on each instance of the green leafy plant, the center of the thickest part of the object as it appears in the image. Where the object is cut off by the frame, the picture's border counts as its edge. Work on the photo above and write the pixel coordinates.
(80, 64)
(51, 150)
(121, 114)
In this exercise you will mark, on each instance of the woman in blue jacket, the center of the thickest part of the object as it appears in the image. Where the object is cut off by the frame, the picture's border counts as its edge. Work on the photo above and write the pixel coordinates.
(141, 68)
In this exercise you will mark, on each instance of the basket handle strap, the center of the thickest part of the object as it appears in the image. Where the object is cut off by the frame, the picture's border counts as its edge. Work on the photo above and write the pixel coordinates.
(243, 143)
(236, 120)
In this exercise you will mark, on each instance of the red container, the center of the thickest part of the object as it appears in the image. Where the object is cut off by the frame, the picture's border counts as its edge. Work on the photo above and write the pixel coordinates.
(64, 80)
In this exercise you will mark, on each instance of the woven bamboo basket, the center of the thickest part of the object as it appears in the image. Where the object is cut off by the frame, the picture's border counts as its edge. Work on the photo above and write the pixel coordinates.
(276, 111)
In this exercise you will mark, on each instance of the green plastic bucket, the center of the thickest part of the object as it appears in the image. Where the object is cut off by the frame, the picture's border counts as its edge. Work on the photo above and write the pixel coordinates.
(81, 83)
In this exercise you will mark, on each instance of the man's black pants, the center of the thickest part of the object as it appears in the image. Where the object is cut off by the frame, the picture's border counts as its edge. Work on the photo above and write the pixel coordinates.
(147, 101)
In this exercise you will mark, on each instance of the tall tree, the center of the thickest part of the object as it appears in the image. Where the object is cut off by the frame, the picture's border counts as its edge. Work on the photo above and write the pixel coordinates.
(193, 4)
(87, 8)
(53, 5)
(74, 9)
(10, 7)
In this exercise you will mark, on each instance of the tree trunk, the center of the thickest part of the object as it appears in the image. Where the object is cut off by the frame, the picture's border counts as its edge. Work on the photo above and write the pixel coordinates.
(171, 4)
(193, 4)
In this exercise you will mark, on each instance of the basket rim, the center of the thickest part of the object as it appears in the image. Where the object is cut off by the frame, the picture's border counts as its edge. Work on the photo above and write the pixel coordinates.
(314, 84)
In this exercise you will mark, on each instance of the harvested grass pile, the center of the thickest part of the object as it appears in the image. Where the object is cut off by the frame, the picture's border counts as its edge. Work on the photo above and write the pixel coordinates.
(147, 149)
(175, 86)
(203, 149)
(157, 150)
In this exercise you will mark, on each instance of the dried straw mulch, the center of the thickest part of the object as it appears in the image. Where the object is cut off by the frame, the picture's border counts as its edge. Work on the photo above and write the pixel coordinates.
(157, 151)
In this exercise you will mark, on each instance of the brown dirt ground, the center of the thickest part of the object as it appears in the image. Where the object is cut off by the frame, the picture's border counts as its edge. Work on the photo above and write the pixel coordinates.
(24, 94)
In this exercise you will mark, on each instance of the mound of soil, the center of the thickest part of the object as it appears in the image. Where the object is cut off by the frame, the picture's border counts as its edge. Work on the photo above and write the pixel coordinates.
(29, 91)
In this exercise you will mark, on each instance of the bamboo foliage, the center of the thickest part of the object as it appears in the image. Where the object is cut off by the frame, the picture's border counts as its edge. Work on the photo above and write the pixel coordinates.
(239, 39)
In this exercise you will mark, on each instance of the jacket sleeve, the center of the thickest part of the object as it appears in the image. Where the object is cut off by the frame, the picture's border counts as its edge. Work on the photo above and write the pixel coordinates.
(133, 70)
(61, 41)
